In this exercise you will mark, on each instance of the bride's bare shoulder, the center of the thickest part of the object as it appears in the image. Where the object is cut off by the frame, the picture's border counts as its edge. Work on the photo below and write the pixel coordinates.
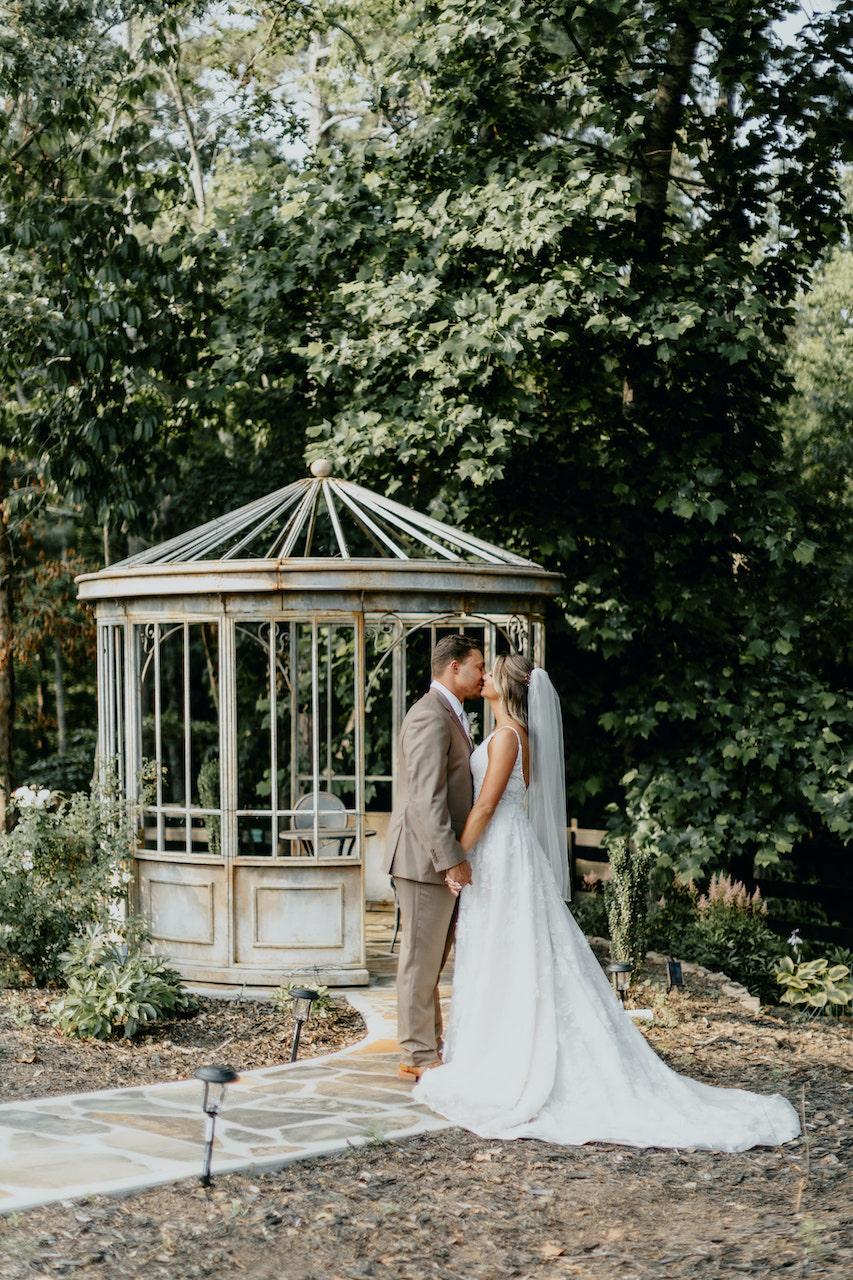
(509, 736)
(514, 727)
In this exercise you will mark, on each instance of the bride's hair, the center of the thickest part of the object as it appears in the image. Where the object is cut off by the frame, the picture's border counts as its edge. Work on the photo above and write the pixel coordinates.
(511, 678)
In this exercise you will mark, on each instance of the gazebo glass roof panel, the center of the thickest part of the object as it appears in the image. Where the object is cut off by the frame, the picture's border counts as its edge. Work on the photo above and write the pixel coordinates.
(324, 518)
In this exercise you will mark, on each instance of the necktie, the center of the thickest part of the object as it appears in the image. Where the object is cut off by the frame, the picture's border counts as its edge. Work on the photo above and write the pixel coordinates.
(466, 724)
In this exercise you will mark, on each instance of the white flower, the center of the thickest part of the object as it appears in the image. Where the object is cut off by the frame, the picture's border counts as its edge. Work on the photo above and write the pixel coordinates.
(29, 798)
(27, 860)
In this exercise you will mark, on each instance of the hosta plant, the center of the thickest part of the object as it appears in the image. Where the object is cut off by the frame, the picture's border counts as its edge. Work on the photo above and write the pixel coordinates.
(816, 986)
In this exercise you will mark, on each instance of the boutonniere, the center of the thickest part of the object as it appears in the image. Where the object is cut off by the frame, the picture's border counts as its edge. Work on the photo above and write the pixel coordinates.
(473, 727)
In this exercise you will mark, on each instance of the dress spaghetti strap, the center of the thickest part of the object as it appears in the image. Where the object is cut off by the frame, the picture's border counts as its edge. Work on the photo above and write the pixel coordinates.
(520, 757)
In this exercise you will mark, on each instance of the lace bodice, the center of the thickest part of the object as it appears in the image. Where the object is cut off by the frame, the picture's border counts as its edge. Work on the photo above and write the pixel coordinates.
(516, 788)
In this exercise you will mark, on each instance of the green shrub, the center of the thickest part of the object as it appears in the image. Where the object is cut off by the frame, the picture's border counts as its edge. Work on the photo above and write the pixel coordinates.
(836, 954)
(816, 986)
(70, 770)
(730, 933)
(626, 896)
(113, 987)
(13, 975)
(590, 910)
(64, 866)
(672, 916)
(323, 1007)
(208, 794)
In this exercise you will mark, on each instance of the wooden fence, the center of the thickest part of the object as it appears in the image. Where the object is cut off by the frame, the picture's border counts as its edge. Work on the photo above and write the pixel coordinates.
(822, 876)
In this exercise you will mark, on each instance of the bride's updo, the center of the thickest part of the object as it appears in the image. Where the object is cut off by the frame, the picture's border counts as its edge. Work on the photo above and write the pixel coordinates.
(511, 678)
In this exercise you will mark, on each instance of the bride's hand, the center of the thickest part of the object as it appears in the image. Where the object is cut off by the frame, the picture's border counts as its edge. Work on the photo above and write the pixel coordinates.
(457, 877)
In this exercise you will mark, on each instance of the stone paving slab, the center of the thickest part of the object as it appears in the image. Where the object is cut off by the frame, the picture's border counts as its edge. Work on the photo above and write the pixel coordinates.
(124, 1140)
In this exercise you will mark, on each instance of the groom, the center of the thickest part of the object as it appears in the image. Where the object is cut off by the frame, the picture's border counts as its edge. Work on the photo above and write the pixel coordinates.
(434, 799)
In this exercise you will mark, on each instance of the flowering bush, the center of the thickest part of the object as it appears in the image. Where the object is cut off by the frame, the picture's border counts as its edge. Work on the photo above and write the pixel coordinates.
(65, 865)
(728, 932)
(29, 798)
(727, 897)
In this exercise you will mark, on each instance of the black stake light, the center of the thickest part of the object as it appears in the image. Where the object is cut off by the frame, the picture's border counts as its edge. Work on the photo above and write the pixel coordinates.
(303, 998)
(673, 974)
(620, 977)
(215, 1079)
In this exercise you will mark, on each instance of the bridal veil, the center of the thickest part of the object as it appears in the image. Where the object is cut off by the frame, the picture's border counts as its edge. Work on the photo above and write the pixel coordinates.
(546, 796)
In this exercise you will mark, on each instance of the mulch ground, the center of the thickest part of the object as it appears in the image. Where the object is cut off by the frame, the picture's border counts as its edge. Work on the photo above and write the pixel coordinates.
(36, 1061)
(450, 1205)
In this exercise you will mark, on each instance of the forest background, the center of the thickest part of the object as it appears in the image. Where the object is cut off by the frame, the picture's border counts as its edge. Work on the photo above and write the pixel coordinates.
(576, 276)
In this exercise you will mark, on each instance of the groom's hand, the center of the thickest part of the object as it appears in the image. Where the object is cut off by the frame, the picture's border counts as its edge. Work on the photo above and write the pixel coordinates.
(457, 877)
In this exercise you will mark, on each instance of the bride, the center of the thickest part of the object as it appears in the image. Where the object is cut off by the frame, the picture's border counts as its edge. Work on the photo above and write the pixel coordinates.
(538, 1044)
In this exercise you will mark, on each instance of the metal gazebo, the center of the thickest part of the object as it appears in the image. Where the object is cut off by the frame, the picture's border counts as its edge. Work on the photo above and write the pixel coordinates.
(261, 665)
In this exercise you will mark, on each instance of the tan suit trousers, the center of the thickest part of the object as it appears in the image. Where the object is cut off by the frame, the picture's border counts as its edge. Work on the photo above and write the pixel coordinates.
(427, 922)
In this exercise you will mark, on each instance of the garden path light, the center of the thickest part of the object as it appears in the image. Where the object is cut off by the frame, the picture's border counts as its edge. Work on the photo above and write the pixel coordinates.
(303, 999)
(215, 1079)
(619, 974)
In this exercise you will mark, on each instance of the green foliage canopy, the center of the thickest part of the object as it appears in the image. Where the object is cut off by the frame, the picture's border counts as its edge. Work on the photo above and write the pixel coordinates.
(540, 285)
(512, 312)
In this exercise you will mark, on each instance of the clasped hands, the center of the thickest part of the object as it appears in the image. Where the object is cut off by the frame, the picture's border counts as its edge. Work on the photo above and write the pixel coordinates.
(457, 877)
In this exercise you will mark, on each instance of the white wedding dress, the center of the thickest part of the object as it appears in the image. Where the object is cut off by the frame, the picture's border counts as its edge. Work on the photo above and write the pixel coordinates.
(538, 1044)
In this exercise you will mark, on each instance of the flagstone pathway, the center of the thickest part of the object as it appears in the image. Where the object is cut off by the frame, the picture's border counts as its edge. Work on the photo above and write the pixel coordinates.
(123, 1140)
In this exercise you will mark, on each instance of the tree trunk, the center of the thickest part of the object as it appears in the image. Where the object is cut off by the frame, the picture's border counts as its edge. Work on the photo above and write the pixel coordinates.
(657, 167)
(319, 115)
(59, 676)
(195, 166)
(7, 671)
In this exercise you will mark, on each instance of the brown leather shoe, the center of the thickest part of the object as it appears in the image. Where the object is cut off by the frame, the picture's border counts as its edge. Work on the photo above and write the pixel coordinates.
(414, 1073)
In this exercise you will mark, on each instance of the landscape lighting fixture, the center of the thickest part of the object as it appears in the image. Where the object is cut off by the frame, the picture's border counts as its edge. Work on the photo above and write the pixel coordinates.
(215, 1079)
(673, 974)
(303, 999)
(620, 977)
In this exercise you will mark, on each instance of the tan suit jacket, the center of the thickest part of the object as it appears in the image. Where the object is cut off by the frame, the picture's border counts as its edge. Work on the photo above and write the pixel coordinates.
(434, 796)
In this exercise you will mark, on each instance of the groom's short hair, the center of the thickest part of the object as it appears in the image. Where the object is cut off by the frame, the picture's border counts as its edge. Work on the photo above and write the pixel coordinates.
(452, 649)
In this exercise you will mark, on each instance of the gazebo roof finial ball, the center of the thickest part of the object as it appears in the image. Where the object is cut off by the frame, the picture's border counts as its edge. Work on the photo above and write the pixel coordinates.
(322, 468)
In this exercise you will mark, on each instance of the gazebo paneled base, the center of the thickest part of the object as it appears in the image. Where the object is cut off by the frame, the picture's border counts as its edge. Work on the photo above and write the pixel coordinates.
(245, 976)
(289, 921)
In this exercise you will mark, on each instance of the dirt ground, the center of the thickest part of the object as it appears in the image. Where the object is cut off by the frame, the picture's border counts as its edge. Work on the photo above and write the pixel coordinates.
(450, 1205)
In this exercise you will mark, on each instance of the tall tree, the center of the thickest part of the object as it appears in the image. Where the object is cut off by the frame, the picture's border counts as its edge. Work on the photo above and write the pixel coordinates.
(7, 685)
(552, 304)
(818, 422)
(103, 319)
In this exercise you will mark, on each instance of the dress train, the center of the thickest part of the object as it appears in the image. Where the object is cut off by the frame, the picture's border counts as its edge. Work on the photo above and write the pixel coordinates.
(538, 1044)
